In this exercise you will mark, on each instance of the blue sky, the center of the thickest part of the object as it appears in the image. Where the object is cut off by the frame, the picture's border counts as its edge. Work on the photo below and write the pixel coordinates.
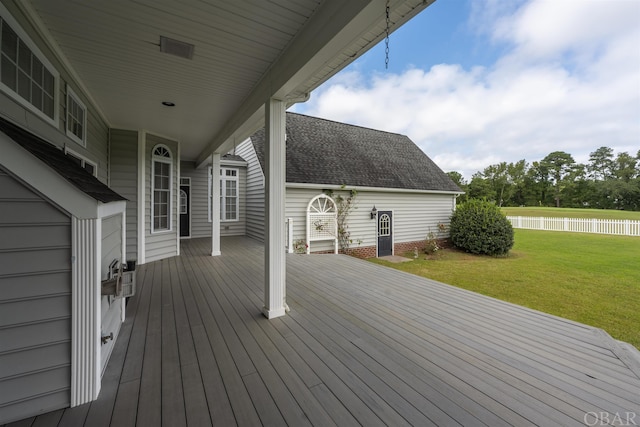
(477, 82)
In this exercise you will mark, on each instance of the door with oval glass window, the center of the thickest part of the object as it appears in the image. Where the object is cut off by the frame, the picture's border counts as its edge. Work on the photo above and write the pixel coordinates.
(385, 233)
(185, 217)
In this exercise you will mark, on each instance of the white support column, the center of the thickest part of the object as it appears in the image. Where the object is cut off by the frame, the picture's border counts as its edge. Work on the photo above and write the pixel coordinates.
(275, 161)
(142, 232)
(123, 258)
(215, 205)
(85, 311)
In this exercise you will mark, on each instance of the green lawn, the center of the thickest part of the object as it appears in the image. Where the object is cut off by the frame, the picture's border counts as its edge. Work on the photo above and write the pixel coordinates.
(572, 213)
(589, 278)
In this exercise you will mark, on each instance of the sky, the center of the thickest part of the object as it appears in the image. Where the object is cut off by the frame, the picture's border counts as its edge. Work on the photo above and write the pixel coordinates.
(477, 82)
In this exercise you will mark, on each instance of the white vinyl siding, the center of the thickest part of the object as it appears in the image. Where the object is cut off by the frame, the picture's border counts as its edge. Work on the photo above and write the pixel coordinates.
(124, 178)
(27, 116)
(254, 191)
(414, 215)
(35, 303)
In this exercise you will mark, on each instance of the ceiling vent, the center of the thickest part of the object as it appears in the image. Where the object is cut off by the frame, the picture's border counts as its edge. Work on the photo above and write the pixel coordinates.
(176, 47)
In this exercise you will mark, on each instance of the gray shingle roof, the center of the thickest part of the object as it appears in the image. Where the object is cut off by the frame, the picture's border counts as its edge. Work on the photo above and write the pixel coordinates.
(321, 151)
(232, 157)
(60, 163)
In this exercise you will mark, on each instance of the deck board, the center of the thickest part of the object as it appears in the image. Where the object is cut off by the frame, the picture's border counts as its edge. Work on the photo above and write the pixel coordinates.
(362, 345)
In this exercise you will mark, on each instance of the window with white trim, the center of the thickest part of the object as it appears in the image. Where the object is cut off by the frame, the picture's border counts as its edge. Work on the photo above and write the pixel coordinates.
(161, 169)
(229, 199)
(76, 118)
(83, 162)
(25, 73)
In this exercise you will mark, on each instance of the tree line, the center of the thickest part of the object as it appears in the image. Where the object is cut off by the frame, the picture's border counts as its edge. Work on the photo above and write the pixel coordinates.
(607, 181)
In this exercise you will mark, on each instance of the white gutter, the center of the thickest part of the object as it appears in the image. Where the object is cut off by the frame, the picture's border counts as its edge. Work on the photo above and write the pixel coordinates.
(377, 189)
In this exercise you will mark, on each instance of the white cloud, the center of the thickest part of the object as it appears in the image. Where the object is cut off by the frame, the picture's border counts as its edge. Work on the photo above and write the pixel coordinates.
(570, 81)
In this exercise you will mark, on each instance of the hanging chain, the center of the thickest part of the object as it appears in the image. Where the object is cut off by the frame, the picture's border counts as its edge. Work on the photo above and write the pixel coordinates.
(386, 40)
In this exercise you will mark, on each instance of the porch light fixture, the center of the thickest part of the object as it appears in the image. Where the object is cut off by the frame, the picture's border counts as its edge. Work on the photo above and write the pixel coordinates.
(168, 104)
(374, 212)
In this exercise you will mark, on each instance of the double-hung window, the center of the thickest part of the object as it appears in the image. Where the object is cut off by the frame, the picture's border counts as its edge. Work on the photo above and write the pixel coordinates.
(76, 118)
(161, 169)
(229, 200)
(25, 73)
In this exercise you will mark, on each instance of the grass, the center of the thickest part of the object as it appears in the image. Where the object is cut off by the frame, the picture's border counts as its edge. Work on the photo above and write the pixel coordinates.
(589, 278)
(572, 213)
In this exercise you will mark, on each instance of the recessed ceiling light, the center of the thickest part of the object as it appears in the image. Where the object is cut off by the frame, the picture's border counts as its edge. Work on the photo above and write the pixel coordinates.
(168, 104)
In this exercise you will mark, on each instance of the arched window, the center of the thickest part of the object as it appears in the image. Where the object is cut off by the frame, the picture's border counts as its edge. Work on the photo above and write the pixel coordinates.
(385, 225)
(322, 221)
(162, 176)
(184, 203)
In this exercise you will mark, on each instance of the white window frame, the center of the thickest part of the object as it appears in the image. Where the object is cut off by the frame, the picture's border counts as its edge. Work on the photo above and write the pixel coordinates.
(387, 225)
(72, 97)
(22, 35)
(186, 182)
(223, 193)
(209, 193)
(167, 160)
(83, 160)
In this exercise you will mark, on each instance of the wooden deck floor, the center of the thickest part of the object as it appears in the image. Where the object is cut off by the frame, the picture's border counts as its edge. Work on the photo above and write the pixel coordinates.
(362, 345)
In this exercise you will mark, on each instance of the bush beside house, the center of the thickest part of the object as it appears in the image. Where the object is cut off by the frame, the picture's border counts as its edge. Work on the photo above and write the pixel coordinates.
(479, 227)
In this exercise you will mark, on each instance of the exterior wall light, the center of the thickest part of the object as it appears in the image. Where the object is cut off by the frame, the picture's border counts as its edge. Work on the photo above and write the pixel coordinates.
(374, 212)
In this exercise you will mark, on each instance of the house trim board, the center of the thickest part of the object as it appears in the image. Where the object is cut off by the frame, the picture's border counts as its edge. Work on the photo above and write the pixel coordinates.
(321, 187)
(45, 180)
(215, 205)
(85, 329)
(141, 196)
(177, 199)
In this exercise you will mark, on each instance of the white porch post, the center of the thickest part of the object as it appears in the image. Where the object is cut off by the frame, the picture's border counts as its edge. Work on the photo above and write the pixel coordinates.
(215, 204)
(274, 259)
(85, 309)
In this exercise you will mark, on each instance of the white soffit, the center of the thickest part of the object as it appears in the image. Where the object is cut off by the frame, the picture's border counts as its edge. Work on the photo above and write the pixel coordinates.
(240, 49)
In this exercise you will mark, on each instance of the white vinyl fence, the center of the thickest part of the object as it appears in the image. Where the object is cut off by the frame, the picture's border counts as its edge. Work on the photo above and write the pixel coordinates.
(623, 227)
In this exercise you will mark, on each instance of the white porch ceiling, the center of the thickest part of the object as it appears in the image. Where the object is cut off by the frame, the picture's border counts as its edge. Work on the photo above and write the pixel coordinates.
(245, 52)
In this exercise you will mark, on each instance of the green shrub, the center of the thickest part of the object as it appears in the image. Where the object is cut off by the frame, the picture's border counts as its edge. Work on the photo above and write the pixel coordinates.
(479, 227)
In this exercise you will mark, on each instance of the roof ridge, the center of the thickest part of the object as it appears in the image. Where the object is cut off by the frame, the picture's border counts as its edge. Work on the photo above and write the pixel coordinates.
(347, 124)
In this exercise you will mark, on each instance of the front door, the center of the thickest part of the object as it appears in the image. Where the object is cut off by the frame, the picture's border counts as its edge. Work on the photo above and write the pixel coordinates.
(385, 234)
(185, 203)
